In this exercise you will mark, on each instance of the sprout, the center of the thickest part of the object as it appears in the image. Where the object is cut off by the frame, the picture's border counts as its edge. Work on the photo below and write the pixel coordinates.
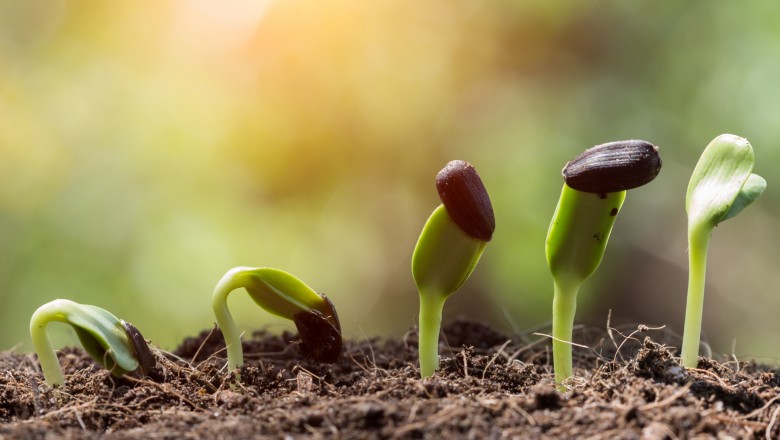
(721, 186)
(281, 294)
(115, 344)
(595, 188)
(448, 249)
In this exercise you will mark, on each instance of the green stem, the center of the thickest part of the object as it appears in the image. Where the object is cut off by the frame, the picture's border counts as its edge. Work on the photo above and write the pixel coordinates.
(698, 241)
(227, 284)
(431, 306)
(564, 308)
(50, 365)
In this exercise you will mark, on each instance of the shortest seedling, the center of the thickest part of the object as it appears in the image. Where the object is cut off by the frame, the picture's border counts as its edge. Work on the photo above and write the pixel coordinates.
(721, 186)
(449, 247)
(114, 344)
(280, 294)
(593, 193)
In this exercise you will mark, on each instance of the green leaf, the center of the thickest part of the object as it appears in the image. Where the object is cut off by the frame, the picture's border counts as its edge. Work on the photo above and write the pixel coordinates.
(104, 337)
(717, 181)
(444, 256)
(750, 191)
(282, 294)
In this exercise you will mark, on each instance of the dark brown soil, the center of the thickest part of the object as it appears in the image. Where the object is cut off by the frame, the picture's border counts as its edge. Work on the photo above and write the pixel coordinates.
(487, 387)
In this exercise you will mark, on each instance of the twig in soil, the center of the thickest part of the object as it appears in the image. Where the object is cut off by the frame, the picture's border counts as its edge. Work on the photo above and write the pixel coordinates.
(202, 344)
(465, 365)
(734, 353)
(523, 349)
(561, 340)
(81, 422)
(759, 410)
(493, 359)
(669, 400)
(366, 368)
(716, 377)
(66, 409)
(609, 330)
(772, 423)
(298, 367)
(413, 412)
(516, 408)
(361, 366)
(735, 421)
(164, 390)
(640, 329)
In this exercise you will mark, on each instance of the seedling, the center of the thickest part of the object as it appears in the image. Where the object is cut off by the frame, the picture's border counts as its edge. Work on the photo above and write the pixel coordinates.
(721, 186)
(114, 344)
(449, 247)
(593, 193)
(280, 294)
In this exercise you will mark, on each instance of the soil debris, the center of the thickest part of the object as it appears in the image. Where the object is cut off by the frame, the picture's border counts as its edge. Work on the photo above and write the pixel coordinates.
(488, 386)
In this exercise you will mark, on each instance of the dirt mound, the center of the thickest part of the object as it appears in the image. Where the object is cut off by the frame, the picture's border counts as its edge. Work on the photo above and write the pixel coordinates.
(488, 386)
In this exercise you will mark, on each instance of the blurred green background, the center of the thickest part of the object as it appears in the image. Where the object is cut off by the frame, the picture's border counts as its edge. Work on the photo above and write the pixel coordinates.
(148, 147)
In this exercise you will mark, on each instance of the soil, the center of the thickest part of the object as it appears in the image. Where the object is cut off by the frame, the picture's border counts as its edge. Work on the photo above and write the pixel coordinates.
(628, 386)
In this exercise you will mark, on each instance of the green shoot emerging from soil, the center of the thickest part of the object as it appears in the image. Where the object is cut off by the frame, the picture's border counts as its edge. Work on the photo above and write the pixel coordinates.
(281, 294)
(595, 188)
(449, 247)
(721, 186)
(114, 344)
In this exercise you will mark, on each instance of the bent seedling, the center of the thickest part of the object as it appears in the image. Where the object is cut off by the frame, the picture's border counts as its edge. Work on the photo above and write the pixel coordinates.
(449, 247)
(593, 193)
(280, 294)
(721, 186)
(114, 344)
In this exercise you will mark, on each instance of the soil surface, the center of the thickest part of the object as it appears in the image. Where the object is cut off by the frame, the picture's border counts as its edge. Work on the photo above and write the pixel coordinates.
(488, 386)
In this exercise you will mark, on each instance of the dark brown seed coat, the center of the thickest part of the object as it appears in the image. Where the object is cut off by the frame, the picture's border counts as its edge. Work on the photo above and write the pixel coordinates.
(141, 349)
(464, 196)
(320, 334)
(613, 167)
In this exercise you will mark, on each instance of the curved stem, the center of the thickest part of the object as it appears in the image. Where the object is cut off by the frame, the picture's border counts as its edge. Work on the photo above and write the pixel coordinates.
(431, 306)
(564, 308)
(698, 242)
(229, 282)
(50, 365)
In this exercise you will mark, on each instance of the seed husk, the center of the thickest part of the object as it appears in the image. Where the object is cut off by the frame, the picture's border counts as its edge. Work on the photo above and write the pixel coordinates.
(613, 167)
(464, 196)
(143, 354)
(320, 335)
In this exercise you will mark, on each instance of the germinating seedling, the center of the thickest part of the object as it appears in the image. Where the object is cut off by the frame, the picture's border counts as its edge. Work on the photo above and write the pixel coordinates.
(449, 247)
(114, 344)
(721, 186)
(280, 294)
(593, 193)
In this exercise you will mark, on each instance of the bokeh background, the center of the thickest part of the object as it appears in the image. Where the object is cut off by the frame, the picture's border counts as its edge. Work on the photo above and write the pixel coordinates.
(148, 147)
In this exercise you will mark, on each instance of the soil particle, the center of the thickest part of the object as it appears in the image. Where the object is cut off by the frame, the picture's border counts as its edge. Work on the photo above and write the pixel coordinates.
(488, 386)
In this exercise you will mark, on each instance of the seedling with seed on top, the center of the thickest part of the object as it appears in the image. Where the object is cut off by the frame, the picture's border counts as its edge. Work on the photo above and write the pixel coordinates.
(280, 294)
(449, 247)
(593, 193)
(721, 186)
(114, 344)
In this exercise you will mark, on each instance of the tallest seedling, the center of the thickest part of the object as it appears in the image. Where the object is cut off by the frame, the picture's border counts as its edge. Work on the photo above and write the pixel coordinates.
(721, 186)
(593, 193)
(448, 249)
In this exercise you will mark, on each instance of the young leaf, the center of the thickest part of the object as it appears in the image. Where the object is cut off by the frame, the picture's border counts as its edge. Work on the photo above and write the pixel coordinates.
(716, 182)
(721, 186)
(103, 336)
(283, 295)
(753, 187)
